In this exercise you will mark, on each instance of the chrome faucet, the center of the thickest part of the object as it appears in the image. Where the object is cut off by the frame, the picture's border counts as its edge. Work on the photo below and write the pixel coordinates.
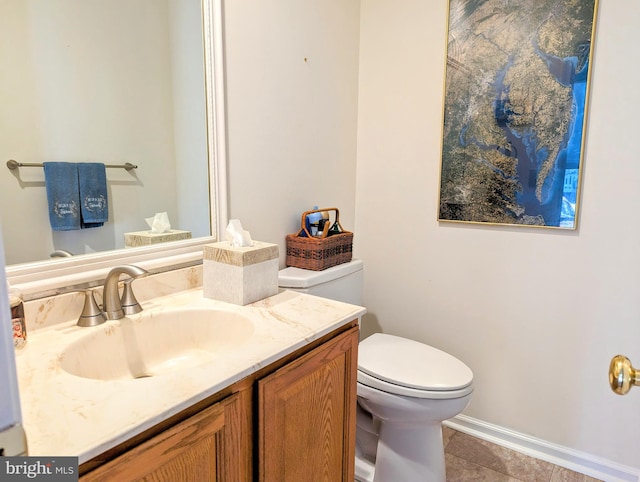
(111, 296)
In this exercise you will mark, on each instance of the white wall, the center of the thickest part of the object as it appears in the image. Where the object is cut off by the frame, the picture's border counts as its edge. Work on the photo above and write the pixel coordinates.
(537, 314)
(89, 81)
(292, 80)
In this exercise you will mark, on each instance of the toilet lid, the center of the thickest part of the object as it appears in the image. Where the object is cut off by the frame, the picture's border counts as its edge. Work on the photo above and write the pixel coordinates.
(411, 364)
(298, 278)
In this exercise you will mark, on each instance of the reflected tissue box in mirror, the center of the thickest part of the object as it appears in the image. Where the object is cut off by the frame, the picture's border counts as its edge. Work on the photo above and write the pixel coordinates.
(240, 275)
(146, 238)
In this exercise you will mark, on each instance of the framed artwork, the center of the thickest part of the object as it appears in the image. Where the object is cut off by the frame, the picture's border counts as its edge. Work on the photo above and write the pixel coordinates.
(516, 90)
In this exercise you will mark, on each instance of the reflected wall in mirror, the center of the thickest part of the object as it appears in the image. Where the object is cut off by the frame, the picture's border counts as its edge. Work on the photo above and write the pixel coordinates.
(110, 81)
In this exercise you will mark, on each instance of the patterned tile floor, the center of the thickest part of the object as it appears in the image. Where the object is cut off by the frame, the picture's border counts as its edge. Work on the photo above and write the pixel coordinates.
(470, 459)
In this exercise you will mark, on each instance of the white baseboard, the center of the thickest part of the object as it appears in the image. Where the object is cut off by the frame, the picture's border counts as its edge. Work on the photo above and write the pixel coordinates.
(540, 449)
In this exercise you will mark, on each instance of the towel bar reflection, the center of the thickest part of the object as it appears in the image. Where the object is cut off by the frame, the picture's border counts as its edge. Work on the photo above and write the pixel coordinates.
(11, 164)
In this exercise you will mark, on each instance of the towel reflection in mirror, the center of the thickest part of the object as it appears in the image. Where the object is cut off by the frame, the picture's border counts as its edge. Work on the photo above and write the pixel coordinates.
(76, 194)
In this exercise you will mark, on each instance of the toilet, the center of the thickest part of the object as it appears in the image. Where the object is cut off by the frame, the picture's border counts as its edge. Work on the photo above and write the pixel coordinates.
(405, 389)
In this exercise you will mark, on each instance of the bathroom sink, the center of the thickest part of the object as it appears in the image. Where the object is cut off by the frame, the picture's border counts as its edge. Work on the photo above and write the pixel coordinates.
(156, 343)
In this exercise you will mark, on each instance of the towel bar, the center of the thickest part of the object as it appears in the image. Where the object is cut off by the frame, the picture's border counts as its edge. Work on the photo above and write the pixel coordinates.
(11, 164)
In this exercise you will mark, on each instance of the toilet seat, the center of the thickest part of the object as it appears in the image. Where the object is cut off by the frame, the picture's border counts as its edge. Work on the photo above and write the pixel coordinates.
(376, 383)
(406, 367)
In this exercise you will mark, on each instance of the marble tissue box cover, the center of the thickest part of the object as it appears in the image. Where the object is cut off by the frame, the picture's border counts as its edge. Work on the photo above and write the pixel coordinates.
(240, 275)
(146, 238)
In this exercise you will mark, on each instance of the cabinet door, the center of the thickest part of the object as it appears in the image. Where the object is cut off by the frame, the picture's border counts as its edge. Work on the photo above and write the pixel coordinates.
(307, 413)
(193, 450)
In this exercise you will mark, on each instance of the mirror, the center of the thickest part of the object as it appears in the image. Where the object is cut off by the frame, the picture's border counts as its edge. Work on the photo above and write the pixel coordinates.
(103, 81)
(111, 81)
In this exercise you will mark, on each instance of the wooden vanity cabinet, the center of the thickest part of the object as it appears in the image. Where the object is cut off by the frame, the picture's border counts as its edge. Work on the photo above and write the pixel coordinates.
(202, 448)
(291, 421)
(307, 414)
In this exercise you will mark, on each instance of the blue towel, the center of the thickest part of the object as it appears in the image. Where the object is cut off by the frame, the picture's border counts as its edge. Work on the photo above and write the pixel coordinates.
(61, 181)
(94, 207)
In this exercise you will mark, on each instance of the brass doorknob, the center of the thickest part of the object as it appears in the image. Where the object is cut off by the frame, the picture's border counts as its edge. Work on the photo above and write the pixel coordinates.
(622, 376)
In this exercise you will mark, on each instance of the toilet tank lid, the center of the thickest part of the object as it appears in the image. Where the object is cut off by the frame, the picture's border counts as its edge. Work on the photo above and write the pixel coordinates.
(412, 364)
(305, 278)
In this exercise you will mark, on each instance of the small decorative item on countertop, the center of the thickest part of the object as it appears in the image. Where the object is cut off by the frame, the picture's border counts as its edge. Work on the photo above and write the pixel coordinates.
(17, 318)
(240, 270)
(333, 246)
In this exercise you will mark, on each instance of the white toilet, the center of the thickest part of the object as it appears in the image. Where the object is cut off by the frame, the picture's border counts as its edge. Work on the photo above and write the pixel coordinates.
(405, 389)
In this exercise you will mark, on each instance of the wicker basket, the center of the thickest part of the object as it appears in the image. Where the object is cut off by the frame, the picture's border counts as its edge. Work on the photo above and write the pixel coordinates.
(319, 252)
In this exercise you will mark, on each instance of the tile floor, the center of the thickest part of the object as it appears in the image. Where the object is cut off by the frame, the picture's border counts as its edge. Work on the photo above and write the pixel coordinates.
(471, 459)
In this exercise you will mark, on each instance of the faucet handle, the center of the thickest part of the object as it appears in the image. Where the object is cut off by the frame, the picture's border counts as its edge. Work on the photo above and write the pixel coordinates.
(91, 314)
(129, 302)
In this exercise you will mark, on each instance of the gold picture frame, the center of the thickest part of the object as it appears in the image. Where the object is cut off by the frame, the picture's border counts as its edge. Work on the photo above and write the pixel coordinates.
(515, 110)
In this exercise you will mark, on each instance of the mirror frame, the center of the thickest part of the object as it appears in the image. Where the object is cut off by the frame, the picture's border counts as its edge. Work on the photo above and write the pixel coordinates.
(43, 276)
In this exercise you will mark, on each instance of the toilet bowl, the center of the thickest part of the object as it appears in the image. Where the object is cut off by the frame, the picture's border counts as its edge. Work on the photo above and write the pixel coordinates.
(405, 389)
(408, 388)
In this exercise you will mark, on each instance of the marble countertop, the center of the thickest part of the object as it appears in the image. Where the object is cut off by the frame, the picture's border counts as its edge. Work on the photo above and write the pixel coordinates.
(64, 414)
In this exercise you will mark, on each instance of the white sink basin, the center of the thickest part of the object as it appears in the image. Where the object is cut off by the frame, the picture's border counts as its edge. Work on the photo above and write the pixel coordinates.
(156, 343)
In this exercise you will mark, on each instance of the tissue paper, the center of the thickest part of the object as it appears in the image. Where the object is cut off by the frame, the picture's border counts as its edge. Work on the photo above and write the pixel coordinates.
(238, 237)
(159, 223)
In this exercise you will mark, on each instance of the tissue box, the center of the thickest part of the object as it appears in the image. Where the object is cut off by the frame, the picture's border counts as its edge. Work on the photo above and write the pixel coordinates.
(240, 275)
(145, 238)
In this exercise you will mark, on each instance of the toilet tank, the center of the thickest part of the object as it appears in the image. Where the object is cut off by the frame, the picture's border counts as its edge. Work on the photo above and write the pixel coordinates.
(341, 283)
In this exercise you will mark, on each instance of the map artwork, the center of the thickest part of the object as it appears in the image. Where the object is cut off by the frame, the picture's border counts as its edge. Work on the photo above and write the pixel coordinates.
(516, 90)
